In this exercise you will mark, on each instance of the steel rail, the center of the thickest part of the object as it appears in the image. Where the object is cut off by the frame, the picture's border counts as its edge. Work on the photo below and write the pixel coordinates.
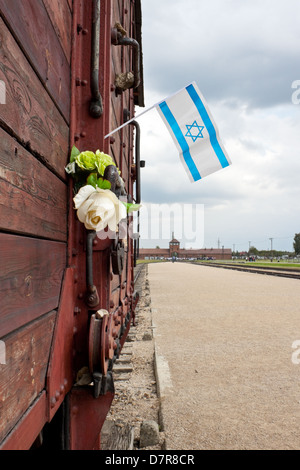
(253, 269)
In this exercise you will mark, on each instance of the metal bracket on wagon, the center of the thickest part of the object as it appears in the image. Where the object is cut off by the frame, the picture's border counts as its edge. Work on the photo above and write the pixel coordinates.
(126, 80)
(96, 105)
(92, 296)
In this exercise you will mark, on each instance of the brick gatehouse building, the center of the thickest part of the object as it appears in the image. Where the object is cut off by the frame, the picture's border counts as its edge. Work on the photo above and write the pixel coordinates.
(183, 253)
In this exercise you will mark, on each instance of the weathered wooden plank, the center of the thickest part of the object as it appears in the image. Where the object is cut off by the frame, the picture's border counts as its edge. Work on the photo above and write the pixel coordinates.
(23, 375)
(31, 25)
(28, 428)
(61, 19)
(32, 199)
(29, 112)
(30, 279)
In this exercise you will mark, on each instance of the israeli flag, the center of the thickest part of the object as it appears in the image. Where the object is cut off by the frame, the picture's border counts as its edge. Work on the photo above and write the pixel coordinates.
(194, 132)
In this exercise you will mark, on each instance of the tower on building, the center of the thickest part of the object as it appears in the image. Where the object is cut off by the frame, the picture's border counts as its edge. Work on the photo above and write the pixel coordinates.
(174, 247)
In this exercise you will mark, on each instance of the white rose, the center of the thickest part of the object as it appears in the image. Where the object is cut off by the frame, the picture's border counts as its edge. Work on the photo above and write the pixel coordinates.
(98, 208)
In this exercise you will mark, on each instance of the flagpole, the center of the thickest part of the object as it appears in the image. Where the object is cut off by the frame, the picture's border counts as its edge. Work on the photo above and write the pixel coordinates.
(130, 120)
(144, 112)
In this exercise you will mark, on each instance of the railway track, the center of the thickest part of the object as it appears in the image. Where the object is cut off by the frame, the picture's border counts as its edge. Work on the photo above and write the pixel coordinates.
(137, 271)
(267, 270)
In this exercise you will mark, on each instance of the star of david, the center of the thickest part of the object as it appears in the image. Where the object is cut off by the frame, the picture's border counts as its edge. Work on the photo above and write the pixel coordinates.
(194, 131)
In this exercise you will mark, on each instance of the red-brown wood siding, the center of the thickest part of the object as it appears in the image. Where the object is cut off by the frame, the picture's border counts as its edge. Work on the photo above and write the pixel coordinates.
(35, 57)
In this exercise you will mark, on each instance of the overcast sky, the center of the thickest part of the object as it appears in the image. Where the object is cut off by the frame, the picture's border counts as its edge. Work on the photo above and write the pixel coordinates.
(244, 56)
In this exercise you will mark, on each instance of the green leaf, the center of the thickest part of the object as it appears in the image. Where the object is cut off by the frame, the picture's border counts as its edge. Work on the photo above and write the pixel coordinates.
(74, 153)
(92, 179)
(103, 184)
(131, 207)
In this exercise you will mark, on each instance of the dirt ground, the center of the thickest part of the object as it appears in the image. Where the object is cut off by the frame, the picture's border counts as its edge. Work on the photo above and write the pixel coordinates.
(228, 367)
(228, 339)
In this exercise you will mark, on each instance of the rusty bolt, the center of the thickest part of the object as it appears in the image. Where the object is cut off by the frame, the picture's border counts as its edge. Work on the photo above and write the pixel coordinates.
(53, 402)
(112, 140)
(111, 304)
(80, 82)
(83, 134)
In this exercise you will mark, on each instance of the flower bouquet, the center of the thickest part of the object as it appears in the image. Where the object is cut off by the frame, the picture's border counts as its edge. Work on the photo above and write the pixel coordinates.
(99, 190)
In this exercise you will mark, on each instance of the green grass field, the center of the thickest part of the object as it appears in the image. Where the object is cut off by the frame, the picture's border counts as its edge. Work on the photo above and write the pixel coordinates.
(264, 263)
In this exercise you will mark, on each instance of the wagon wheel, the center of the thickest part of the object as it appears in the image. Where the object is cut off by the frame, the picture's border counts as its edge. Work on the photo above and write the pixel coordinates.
(97, 344)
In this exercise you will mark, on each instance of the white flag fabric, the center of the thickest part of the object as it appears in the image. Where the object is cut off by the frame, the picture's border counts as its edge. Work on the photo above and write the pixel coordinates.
(194, 132)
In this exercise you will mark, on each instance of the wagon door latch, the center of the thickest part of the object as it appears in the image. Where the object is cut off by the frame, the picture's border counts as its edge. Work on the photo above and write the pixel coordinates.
(92, 296)
(126, 80)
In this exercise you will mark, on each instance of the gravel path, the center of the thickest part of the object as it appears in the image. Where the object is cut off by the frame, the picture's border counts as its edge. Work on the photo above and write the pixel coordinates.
(224, 348)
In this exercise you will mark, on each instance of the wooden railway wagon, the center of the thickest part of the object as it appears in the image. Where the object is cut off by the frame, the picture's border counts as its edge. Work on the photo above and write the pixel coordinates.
(71, 72)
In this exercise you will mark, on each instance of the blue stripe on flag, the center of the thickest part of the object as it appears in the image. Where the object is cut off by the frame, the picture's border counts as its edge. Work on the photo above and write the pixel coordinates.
(208, 124)
(181, 140)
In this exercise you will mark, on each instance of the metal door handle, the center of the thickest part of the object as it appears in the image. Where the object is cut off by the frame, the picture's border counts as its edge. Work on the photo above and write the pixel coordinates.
(96, 105)
(118, 39)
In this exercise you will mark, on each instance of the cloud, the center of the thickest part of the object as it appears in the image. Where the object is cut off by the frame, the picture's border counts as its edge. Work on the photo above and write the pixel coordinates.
(244, 57)
(231, 48)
